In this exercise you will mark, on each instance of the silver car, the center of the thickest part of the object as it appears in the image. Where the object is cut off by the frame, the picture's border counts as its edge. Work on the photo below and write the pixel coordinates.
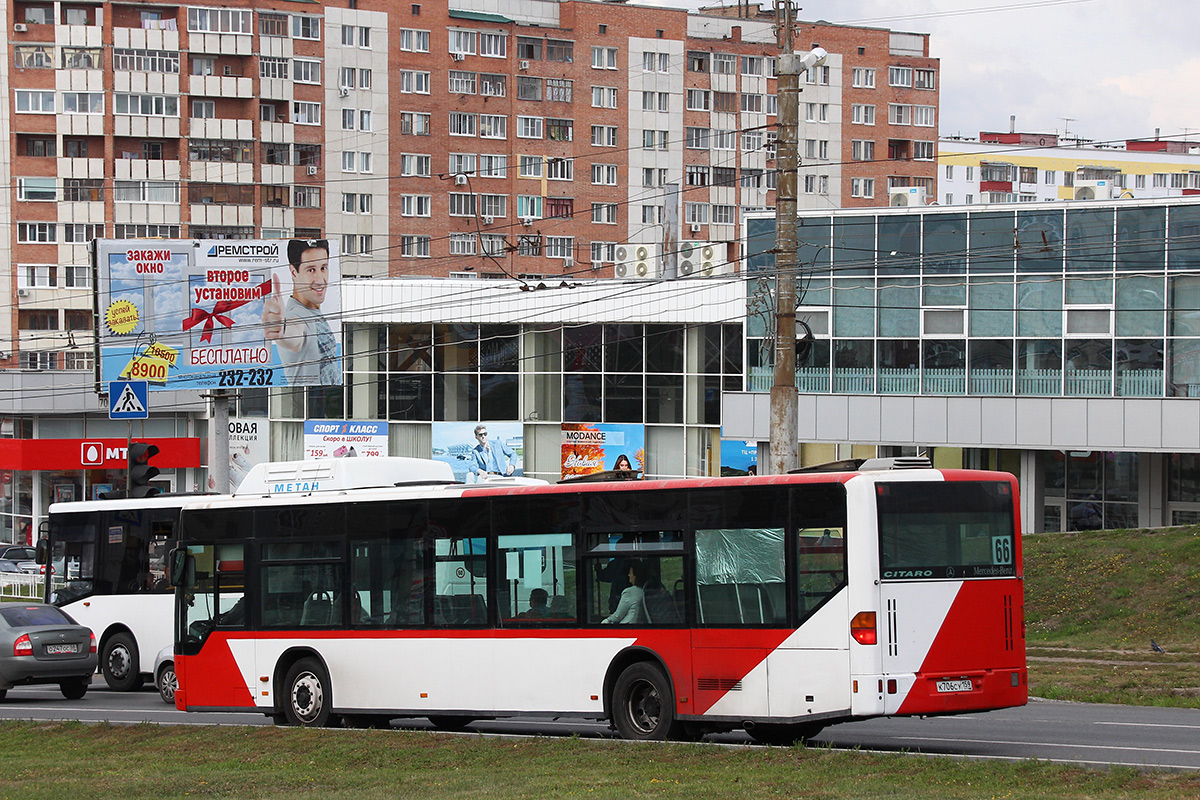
(164, 674)
(39, 643)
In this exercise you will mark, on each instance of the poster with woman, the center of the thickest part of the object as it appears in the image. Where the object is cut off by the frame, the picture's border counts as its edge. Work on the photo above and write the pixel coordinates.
(589, 447)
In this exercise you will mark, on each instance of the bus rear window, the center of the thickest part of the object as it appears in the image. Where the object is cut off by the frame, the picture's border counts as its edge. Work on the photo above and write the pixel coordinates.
(946, 530)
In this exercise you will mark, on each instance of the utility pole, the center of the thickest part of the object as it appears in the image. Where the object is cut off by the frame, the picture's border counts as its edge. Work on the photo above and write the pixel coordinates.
(784, 395)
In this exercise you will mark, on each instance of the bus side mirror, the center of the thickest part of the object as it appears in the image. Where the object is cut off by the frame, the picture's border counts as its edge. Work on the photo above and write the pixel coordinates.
(43, 551)
(179, 562)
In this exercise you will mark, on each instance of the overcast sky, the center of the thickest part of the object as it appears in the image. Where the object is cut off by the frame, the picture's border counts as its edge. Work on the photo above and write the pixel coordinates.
(1117, 68)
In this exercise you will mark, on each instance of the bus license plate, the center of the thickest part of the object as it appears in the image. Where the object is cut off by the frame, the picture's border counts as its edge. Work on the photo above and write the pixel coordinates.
(58, 649)
(955, 686)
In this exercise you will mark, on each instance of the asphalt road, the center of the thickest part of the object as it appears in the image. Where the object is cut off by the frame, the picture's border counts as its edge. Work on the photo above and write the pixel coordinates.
(1070, 733)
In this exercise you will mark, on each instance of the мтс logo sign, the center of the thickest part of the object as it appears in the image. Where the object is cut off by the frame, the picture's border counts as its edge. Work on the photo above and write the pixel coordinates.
(91, 454)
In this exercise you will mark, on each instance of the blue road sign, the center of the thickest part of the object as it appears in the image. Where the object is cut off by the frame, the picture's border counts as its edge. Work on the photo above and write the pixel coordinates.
(128, 400)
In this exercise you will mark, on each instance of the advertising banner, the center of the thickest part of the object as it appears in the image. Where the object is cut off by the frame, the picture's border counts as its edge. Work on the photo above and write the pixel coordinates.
(589, 447)
(476, 449)
(324, 438)
(249, 444)
(739, 458)
(210, 314)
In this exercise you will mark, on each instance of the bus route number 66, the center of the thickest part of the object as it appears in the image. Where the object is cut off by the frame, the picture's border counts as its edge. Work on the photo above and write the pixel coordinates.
(1002, 550)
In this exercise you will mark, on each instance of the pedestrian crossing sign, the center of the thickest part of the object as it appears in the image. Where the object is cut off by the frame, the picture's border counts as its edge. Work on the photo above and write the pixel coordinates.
(128, 400)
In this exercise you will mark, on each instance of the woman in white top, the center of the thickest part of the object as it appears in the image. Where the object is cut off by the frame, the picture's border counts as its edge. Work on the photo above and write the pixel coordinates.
(629, 608)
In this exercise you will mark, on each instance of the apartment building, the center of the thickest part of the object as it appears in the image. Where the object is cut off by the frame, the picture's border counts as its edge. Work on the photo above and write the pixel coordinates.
(1018, 167)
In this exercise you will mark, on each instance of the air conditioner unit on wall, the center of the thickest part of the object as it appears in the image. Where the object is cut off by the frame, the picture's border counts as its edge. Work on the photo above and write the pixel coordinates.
(523, 65)
(527, 221)
(458, 56)
(22, 293)
(695, 227)
(703, 260)
(568, 263)
(460, 180)
(1094, 190)
(343, 91)
(906, 196)
(635, 261)
(20, 27)
(312, 170)
(488, 220)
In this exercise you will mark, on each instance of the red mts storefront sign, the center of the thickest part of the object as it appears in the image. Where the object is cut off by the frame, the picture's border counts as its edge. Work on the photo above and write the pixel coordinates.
(50, 454)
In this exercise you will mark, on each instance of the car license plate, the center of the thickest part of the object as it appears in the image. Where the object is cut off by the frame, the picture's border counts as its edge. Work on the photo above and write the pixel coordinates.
(955, 686)
(58, 649)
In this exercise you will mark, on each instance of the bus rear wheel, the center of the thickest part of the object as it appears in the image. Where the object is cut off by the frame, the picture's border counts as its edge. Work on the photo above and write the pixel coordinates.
(643, 706)
(784, 734)
(308, 697)
(119, 663)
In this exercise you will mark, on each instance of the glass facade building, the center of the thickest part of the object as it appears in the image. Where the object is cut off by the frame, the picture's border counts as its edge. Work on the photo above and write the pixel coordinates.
(1073, 325)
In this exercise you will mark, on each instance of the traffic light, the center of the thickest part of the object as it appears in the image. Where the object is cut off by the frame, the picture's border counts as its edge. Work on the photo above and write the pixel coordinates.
(140, 471)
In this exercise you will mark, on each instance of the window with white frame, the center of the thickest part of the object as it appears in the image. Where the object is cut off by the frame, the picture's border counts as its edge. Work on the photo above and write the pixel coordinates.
(862, 114)
(349, 161)
(306, 113)
(724, 63)
(146, 105)
(305, 27)
(530, 127)
(37, 276)
(695, 213)
(272, 67)
(560, 169)
(348, 119)
(414, 82)
(364, 162)
(493, 205)
(923, 116)
(414, 246)
(348, 36)
(862, 187)
(86, 103)
(862, 150)
(924, 151)
(462, 41)
(463, 163)
(752, 103)
(493, 244)
(604, 174)
(900, 76)
(302, 197)
(491, 85)
(530, 166)
(415, 205)
(694, 138)
(818, 76)
(462, 244)
(414, 165)
(414, 123)
(37, 232)
(493, 45)
(949, 172)
(604, 135)
(146, 191)
(560, 130)
(698, 100)
(604, 252)
(752, 141)
(462, 82)
(899, 114)
(559, 90)
(493, 165)
(604, 58)
(724, 215)
(560, 246)
(772, 107)
(81, 233)
(218, 20)
(34, 189)
(32, 101)
(529, 206)
(349, 244)
(924, 79)
(695, 175)
(604, 97)
(462, 204)
(604, 213)
(462, 124)
(414, 41)
(752, 65)
(652, 215)
(306, 71)
(1139, 181)
(493, 126)
(862, 78)
(722, 139)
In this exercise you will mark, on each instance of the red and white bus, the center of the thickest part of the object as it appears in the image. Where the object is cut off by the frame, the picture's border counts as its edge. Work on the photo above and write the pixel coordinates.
(366, 590)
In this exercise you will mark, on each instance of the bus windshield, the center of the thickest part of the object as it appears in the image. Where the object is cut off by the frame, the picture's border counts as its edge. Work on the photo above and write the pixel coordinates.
(946, 530)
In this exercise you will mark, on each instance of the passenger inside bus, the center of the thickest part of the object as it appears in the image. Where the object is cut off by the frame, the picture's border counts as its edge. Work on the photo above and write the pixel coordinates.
(539, 601)
(630, 609)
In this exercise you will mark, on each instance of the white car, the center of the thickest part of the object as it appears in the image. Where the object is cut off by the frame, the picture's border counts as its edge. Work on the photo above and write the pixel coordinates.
(164, 674)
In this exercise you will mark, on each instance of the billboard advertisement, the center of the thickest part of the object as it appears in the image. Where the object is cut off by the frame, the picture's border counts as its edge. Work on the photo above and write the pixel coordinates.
(212, 314)
(589, 447)
(738, 458)
(249, 444)
(477, 449)
(329, 438)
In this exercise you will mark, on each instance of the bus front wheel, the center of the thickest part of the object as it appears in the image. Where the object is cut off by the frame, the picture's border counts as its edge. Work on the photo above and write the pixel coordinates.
(643, 706)
(119, 663)
(308, 698)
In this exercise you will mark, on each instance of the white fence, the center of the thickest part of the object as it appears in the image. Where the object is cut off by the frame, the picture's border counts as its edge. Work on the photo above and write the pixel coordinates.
(21, 586)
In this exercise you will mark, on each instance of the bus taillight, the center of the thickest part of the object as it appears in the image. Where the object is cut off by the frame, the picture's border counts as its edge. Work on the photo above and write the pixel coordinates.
(862, 627)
